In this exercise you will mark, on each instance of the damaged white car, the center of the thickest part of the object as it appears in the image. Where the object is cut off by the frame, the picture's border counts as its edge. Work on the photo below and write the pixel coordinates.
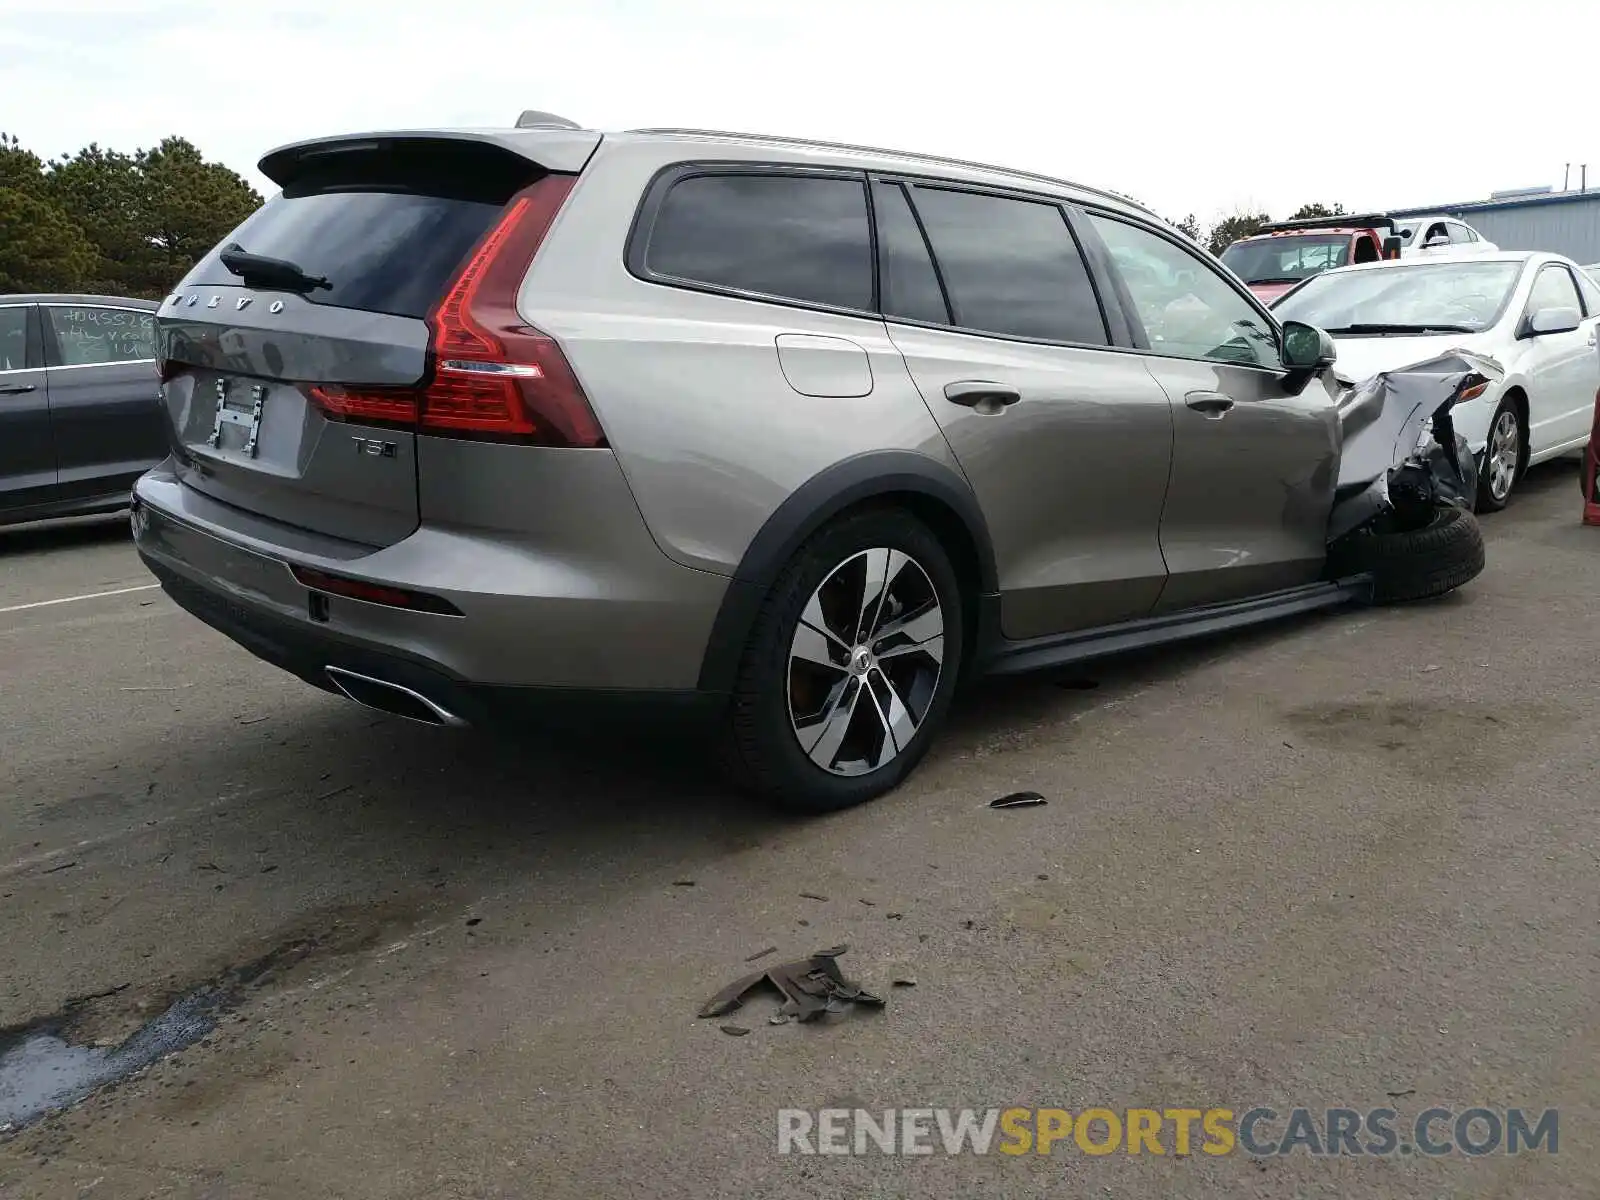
(1533, 314)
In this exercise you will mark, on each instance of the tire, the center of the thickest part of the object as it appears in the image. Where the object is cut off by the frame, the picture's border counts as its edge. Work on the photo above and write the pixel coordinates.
(782, 743)
(1502, 462)
(1413, 564)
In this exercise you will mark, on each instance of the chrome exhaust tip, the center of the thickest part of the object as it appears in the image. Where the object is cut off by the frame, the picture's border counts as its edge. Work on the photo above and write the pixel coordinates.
(391, 698)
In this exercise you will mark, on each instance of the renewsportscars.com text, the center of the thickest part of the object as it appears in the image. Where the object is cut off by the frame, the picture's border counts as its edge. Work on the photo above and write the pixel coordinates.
(1259, 1131)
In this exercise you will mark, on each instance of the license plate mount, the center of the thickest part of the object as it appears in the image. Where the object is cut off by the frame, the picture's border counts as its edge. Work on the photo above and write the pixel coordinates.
(241, 411)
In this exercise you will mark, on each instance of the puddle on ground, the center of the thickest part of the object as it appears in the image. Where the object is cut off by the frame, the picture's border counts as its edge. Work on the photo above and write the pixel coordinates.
(41, 1072)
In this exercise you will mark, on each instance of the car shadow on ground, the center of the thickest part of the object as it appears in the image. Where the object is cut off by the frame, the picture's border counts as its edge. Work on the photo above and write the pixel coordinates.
(44, 537)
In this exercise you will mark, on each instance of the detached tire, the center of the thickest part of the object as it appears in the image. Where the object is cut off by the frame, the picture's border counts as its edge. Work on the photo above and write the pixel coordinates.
(1413, 564)
(850, 667)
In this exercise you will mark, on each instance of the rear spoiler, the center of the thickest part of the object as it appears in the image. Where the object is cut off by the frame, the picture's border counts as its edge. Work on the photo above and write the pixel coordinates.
(556, 148)
(1342, 221)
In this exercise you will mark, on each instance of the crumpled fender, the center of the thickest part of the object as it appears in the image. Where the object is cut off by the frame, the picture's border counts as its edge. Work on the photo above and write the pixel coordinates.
(1385, 421)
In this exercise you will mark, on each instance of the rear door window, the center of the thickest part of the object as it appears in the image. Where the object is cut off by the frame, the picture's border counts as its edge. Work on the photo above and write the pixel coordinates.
(1011, 267)
(792, 237)
(386, 252)
(87, 336)
(910, 284)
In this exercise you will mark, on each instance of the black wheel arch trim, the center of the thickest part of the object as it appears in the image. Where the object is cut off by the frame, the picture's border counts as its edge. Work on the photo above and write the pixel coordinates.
(812, 505)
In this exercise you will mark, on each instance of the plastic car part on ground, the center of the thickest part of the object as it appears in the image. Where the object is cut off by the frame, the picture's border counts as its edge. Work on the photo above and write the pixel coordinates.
(1398, 440)
(811, 987)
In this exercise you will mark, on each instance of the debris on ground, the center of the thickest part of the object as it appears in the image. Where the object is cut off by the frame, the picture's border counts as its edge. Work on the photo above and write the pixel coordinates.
(810, 987)
(761, 954)
(735, 1030)
(812, 896)
(1019, 800)
(903, 983)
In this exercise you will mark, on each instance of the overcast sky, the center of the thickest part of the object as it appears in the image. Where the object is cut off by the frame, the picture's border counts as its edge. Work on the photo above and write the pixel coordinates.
(1203, 107)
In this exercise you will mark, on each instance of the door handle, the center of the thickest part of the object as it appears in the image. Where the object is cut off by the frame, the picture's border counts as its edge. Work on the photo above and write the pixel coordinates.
(979, 393)
(1212, 405)
(16, 389)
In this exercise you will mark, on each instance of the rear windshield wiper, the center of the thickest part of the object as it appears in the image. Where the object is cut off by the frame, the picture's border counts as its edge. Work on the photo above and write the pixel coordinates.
(257, 270)
(1280, 279)
(1389, 328)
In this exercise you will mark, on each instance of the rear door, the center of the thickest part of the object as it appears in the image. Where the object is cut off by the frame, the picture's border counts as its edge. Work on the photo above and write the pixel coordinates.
(1253, 462)
(105, 398)
(382, 225)
(1066, 443)
(27, 453)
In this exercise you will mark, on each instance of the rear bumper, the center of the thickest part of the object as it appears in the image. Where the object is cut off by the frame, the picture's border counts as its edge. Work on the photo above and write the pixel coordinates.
(308, 653)
(622, 627)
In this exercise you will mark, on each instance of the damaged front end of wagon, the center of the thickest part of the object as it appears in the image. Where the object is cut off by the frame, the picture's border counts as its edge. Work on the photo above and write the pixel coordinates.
(1403, 503)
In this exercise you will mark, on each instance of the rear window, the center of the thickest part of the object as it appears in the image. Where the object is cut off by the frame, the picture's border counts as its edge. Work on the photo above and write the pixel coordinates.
(387, 252)
(794, 237)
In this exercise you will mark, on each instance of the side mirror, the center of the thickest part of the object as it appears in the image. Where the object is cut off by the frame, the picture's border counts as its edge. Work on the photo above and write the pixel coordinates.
(1551, 320)
(1393, 245)
(1307, 348)
(1307, 352)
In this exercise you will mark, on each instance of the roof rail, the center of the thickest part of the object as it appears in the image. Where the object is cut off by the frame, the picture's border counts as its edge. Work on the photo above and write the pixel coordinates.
(1337, 221)
(782, 140)
(532, 118)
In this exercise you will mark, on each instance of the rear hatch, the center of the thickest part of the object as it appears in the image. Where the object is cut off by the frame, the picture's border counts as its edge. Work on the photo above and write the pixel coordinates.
(294, 352)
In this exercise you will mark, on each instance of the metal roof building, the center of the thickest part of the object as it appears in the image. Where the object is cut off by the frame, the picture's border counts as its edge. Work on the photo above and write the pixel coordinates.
(1536, 219)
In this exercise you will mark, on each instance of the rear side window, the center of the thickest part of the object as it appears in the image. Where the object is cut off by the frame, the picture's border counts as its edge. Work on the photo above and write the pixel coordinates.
(87, 336)
(1011, 267)
(910, 284)
(795, 237)
(386, 252)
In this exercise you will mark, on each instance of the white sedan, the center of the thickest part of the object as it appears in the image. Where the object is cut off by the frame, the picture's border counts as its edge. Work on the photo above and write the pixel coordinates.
(1533, 313)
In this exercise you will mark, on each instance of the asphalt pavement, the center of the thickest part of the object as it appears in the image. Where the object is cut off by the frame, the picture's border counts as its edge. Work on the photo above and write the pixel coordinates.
(1345, 861)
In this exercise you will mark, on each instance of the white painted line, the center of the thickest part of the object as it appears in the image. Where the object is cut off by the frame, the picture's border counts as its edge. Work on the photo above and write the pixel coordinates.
(143, 587)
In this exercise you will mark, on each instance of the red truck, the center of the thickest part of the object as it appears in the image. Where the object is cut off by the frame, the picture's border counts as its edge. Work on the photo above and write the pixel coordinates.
(1278, 256)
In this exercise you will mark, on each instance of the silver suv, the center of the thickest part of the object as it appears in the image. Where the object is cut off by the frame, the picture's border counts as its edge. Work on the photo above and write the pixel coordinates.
(489, 425)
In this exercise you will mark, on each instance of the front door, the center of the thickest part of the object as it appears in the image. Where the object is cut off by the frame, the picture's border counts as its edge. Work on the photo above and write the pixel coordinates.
(1066, 443)
(1253, 464)
(1560, 367)
(27, 453)
(105, 397)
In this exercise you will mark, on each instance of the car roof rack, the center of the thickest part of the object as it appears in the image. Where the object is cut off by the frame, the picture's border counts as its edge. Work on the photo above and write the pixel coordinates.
(851, 148)
(532, 118)
(1338, 221)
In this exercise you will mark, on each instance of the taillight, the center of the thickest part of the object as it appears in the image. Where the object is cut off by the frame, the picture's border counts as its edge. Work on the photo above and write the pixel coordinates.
(367, 406)
(493, 375)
